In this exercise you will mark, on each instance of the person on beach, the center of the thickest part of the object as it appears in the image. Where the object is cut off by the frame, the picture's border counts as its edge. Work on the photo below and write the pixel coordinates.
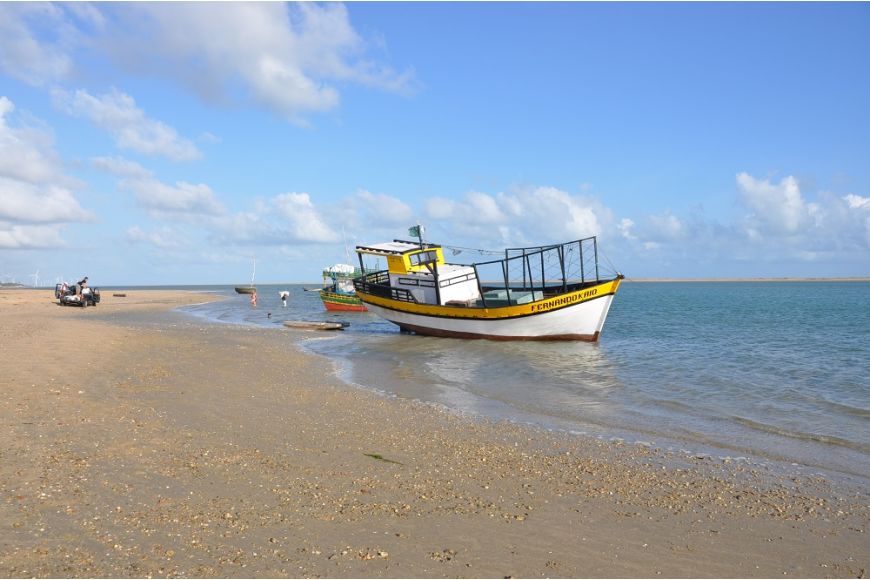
(80, 286)
(254, 299)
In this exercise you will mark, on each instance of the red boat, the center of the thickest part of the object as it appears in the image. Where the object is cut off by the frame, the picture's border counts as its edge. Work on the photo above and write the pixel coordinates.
(336, 301)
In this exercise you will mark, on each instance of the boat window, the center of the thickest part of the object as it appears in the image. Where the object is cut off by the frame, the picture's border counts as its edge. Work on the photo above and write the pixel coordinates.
(408, 282)
(423, 258)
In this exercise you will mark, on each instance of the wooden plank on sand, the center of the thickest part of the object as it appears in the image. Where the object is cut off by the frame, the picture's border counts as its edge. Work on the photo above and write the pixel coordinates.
(307, 325)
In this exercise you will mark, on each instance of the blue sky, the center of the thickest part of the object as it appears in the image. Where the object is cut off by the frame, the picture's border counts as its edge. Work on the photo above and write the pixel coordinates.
(167, 143)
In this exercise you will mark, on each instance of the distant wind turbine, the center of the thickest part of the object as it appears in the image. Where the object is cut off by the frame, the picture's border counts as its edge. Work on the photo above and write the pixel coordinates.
(35, 279)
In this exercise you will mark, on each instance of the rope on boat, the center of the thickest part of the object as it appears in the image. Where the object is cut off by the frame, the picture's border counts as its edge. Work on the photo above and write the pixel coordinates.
(459, 249)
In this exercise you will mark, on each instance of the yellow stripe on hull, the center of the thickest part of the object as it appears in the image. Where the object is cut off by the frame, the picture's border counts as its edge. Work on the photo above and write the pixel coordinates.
(501, 312)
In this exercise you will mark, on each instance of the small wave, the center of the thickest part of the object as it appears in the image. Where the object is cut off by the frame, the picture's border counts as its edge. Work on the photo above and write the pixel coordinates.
(816, 437)
(847, 409)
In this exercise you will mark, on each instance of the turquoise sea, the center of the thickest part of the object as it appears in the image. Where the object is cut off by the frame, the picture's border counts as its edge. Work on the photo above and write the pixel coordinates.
(763, 372)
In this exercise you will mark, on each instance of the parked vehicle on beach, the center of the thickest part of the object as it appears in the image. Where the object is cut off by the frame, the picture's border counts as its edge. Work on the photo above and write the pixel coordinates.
(552, 292)
(66, 295)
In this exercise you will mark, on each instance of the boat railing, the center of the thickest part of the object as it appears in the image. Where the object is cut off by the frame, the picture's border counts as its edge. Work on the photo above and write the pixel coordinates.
(544, 271)
(378, 284)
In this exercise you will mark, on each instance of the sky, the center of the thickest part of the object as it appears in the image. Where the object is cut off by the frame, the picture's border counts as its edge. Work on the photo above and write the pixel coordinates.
(174, 143)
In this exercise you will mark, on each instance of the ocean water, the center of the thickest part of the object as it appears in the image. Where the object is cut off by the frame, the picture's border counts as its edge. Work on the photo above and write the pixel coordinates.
(772, 372)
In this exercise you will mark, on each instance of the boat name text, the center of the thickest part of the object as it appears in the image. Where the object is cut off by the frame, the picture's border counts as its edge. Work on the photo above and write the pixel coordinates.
(564, 300)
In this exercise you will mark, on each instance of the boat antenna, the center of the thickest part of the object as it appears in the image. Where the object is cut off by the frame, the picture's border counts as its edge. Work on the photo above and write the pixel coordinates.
(346, 249)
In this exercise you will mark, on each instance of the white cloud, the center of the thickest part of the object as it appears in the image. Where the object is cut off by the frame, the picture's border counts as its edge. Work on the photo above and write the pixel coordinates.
(36, 197)
(117, 113)
(777, 229)
(666, 226)
(27, 203)
(857, 201)
(776, 208)
(26, 237)
(183, 200)
(27, 153)
(385, 210)
(625, 225)
(530, 216)
(163, 238)
(120, 167)
(281, 56)
(305, 222)
(289, 58)
(22, 54)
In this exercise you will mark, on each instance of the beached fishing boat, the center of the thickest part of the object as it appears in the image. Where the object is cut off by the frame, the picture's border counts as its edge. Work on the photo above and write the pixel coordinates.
(338, 292)
(249, 289)
(553, 292)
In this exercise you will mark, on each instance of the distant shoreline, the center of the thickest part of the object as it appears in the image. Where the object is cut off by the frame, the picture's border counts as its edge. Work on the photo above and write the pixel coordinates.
(6, 286)
(784, 279)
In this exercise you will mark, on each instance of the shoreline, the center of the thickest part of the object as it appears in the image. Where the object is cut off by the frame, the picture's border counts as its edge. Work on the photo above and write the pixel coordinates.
(173, 447)
(673, 446)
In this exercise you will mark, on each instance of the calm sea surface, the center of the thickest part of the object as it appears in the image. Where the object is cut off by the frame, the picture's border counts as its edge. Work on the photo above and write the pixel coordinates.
(772, 372)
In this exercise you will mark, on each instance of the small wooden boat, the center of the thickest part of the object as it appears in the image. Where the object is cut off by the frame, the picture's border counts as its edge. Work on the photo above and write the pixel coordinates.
(308, 325)
(552, 292)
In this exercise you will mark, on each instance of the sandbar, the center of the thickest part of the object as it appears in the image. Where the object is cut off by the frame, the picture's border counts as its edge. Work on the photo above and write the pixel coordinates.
(141, 442)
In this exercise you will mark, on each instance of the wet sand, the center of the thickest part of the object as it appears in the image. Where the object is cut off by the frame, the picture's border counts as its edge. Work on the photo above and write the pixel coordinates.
(140, 442)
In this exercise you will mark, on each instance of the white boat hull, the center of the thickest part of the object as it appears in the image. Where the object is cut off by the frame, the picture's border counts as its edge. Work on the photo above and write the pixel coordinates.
(579, 321)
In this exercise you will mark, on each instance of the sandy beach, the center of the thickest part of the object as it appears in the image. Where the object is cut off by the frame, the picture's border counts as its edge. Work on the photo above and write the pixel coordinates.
(140, 442)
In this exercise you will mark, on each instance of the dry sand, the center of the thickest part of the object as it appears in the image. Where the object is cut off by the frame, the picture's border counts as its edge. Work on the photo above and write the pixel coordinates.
(140, 442)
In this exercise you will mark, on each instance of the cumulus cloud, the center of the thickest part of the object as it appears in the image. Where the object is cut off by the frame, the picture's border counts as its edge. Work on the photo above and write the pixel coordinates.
(776, 224)
(35, 38)
(288, 58)
(305, 222)
(382, 209)
(666, 226)
(27, 237)
(857, 201)
(776, 207)
(182, 200)
(36, 197)
(529, 216)
(120, 167)
(281, 220)
(116, 112)
(625, 226)
(281, 56)
(27, 203)
(27, 153)
(781, 211)
(163, 238)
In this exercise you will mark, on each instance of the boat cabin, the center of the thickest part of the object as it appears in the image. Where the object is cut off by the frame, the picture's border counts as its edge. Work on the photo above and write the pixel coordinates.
(419, 273)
